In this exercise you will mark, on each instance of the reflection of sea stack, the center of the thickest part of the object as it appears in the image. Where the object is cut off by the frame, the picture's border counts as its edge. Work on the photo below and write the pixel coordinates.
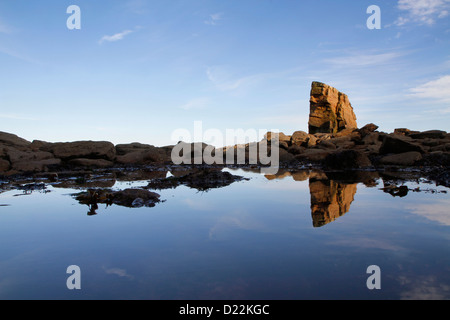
(329, 200)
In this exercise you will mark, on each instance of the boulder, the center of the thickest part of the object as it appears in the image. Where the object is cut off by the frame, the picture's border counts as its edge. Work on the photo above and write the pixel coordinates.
(81, 149)
(347, 159)
(343, 142)
(367, 129)
(8, 139)
(137, 153)
(326, 144)
(330, 110)
(122, 149)
(432, 134)
(399, 144)
(313, 155)
(299, 138)
(404, 131)
(269, 136)
(16, 155)
(294, 149)
(441, 147)
(402, 159)
(285, 156)
(312, 141)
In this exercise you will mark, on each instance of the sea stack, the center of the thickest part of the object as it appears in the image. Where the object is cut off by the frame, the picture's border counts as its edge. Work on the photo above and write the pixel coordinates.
(330, 110)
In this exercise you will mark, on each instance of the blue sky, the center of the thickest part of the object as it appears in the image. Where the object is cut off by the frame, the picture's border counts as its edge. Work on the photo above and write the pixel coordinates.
(138, 70)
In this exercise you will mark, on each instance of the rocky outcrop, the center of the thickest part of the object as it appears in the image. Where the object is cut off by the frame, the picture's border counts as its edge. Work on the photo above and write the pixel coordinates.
(139, 154)
(333, 142)
(330, 110)
(81, 149)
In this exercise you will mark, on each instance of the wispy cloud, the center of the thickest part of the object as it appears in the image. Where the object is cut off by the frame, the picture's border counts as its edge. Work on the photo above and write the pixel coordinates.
(224, 80)
(438, 89)
(364, 60)
(16, 117)
(19, 56)
(213, 19)
(197, 103)
(115, 37)
(118, 272)
(424, 12)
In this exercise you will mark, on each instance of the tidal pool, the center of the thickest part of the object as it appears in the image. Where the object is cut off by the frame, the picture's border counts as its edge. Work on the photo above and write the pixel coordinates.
(296, 235)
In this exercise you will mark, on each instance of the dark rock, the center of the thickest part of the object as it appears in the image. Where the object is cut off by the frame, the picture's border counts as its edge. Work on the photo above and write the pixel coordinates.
(313, 155)
(436, 159)
(294, 149)
(347, 159)
(432, 134)
(399, 144)
(402, 159)
(36, 165)
(81, 149)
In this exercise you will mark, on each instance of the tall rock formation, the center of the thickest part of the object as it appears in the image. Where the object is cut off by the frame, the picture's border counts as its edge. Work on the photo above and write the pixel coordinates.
(330, 110)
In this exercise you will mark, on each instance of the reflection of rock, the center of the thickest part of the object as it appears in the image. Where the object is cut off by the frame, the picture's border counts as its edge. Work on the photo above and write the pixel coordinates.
(296, 175)
(202, 180)
(132, 198)
(329, 200)
(395, 191)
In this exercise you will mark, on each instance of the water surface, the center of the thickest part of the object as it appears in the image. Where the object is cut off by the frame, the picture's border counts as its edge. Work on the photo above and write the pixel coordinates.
(291, 236)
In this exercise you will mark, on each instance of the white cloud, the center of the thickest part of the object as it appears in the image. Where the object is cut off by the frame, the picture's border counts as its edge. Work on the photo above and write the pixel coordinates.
(438, 89)
(115, 37)
(424, 12)
(213, 19)
(437, 211)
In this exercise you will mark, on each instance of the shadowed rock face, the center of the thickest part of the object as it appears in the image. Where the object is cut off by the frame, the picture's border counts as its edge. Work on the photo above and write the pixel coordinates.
(330, 110)
(329, 200)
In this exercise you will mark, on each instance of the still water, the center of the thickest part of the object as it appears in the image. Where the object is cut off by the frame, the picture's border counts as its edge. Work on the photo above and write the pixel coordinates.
(290, 236)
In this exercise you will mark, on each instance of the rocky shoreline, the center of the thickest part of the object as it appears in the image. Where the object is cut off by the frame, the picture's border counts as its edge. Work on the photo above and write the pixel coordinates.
(334, 143)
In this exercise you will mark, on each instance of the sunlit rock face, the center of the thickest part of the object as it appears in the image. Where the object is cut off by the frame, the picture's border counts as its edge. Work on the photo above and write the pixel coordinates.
(330, 110)
(329, 200)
